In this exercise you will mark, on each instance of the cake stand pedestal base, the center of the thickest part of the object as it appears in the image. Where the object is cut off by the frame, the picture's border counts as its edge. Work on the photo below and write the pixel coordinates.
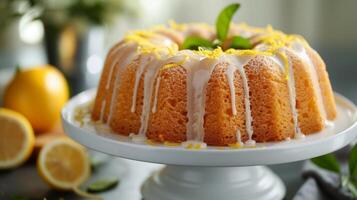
(212, 183)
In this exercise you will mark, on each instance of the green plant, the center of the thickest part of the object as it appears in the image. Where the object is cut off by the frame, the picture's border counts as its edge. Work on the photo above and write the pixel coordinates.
(98, 12)
(223, 22)
(12, 9)
(348, 181)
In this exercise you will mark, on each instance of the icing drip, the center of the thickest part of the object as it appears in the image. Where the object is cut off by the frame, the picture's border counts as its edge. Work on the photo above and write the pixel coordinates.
(101, 118)
(250, 143)
(286, 66)
(111, 73)
(157, 86)
(137, 138)
(238, 63)
(239, 137)
(115, 52)
(149, 79)
(198, 74)
(193, 144)
(300, 50)
(292, 98)
(230, 77)
(144, 61)
(112, 66)
(125, 50)
(152, 46)
(129, 54)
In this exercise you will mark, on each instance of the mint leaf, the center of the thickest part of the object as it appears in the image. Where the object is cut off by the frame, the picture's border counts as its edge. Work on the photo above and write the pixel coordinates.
(352, 162)
(344, 181)
(327, 162)
(193, 42)
(352, 188)
(239, 42)
(224, 19)
(102, 185)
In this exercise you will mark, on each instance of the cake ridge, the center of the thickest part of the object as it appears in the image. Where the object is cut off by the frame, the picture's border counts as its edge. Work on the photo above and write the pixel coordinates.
(239, 65)
(127, 60)
(300, 50)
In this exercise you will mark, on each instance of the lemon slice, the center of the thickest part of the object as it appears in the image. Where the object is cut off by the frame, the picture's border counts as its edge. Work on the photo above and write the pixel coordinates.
(63, 164)
(16, 139)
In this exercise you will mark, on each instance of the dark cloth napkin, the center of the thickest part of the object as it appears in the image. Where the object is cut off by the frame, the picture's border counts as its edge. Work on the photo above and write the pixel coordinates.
(321, 184)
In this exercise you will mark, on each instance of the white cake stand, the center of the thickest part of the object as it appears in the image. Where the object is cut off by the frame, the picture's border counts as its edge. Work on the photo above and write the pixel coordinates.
(214, 173)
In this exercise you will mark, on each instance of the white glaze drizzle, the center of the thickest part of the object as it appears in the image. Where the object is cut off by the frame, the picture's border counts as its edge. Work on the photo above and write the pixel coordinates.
(149, 79)
(137, 138)
(164, 44)
(300, 50)
(239, 137)
(129, 55)
(238, 63)
(193, 144)
(101, 118)
(199, 70)
(230, 78)
(112, 65)
(149, 66)
(144, 61)
(115, 62)
(198, 74)
(291, 89)
(119, 55)
(110, 74)
(157, 86)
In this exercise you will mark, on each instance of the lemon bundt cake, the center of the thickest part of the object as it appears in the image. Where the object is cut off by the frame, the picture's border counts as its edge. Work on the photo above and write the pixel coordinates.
(153, 88)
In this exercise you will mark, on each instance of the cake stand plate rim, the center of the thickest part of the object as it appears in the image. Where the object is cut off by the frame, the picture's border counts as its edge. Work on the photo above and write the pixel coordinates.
(274, 154)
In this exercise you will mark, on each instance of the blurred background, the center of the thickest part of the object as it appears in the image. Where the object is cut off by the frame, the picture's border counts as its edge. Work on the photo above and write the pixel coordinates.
(75, 35)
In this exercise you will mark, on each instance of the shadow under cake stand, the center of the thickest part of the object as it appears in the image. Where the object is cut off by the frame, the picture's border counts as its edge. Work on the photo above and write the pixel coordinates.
(214, 173)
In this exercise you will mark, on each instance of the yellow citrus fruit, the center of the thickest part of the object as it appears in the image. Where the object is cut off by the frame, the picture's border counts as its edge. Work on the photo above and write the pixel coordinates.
(16, 139)
(39, 94)
(63, 164)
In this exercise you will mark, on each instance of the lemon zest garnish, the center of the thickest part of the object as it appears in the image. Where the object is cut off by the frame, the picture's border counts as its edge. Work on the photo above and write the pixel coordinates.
(172, 50)
(215, 53)
(151, 142)
(194, 146)
(197, 146)
(273, 39)
(235, 146)
(189, 146)
(171, 144)
(248, 52)
(277, 40)
(146, 44)
(169, 65)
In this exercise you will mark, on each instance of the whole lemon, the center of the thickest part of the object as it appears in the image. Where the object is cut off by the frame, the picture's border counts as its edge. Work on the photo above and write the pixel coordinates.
(39, 93)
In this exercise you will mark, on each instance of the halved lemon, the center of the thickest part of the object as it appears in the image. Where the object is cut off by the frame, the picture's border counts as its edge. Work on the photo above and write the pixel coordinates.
(16, 139)
(63, 164)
